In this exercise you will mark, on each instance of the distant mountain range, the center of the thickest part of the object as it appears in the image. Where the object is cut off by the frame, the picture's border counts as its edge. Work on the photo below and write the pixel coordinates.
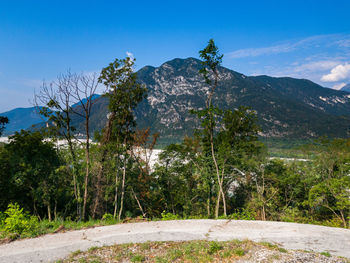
(286, 107)
(21, 118)
(346, 88)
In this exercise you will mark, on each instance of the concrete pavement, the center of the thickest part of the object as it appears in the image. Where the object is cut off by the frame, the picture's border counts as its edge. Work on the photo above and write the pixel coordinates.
(288, 235)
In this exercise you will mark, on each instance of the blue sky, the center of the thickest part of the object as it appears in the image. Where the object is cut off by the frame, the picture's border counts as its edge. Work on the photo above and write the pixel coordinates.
(41, 39)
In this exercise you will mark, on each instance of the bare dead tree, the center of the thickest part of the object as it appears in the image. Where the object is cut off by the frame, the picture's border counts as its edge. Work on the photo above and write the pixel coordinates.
(84, 88)
(57, 98)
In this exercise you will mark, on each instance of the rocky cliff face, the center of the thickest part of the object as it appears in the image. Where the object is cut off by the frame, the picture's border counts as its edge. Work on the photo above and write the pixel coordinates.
(286, 107)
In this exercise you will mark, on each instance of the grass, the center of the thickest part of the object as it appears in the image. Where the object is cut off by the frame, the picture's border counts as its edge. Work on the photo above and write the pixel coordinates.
(47, 227)
(166, 252)
(161, 252)
(193, 251)
(327, 254)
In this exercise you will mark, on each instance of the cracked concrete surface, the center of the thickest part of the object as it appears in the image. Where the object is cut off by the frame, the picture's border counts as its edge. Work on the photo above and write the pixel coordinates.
(288, 235)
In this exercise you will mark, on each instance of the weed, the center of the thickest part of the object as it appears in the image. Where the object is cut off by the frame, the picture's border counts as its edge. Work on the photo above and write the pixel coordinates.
(92, 249)
(174, 254)
(327, 254)
(268, 244)
(283, 250)
(145, 246)
(214, 247)
(239, 252)
(76, 253)
(138, 258)
(169, 216)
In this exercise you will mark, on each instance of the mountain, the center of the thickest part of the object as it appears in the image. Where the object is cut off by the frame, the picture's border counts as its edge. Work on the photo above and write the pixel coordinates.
(346, 88)
(21, 118)
(25, 118)
(286, 107)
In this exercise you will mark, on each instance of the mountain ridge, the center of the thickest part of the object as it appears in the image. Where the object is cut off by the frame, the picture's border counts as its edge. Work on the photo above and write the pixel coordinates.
(286, 107)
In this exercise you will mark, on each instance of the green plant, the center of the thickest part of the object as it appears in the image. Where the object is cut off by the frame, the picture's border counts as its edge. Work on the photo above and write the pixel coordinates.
(242, 214)
(327, 254)
(239, 252)
(92, 249)
(214, 247)
(138, 258)
(169, 216)
(2, 219)
(17, 221)
(107, 217)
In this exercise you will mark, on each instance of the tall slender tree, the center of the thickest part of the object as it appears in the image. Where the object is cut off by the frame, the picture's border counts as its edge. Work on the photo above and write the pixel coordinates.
(124, 94)
(211, 61)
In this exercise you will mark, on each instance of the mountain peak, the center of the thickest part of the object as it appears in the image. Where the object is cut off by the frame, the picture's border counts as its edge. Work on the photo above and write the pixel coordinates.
(346, 88)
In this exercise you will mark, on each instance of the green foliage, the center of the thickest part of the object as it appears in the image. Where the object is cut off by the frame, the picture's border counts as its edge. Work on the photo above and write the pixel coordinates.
(18, 222)
(2, 219)
(242, 214)
(327, 254)
(137, 258)
(214, 247)
(169, 216)
(239, 252)
(107, 217)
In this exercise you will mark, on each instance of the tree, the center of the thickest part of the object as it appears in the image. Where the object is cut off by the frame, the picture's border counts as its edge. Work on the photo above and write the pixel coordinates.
(57, 100)
(211, 60)
(124, 94)
(3, 122)
(84, 89)
(32, 166)
(331, 170)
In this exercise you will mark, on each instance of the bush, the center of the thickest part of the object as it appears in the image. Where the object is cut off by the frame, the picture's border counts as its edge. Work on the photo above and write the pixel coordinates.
(214, 247)
(291, 214)
(169, 216)
(2, 219)
(17, 221)
(107, 217)
(243, 214)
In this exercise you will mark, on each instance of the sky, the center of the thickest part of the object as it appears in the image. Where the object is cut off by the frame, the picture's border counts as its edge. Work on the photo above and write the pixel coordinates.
(41, 39)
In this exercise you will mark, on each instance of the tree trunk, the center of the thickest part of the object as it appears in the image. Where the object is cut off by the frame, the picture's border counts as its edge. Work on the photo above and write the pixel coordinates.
(263, 214)
(98, 184)
(74, 161)
(87, 153)
(218, 177)
(123, 190)
(116, 191)
(208, 206)
(105, 140)
(138, 203)
(217, 207)
(55, 210)
(49, 212)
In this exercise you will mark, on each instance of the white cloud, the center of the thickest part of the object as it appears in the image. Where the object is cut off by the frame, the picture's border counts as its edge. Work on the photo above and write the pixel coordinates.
(339, 86)
(130, 55)
(254, 52)
(281, 48)
(337, 73)
(317, 66)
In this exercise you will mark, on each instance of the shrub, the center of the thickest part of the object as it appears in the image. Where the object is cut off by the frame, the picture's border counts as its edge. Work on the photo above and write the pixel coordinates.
(214, 247)
(169, 216)
(19, 222)
(243, 214)
(2, 219)
(107, 217)
(291, 214)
